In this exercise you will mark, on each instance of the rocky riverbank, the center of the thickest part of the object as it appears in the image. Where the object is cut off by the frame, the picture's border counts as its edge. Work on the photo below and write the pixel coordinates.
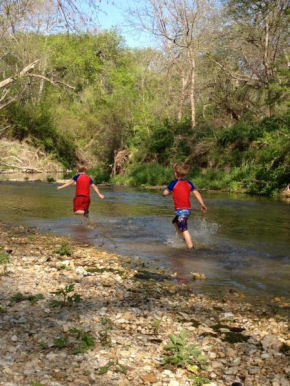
(73, 315)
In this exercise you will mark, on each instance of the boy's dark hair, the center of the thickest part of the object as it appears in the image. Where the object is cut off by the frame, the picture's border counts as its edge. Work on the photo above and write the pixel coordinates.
(81, 168)
(181, 169)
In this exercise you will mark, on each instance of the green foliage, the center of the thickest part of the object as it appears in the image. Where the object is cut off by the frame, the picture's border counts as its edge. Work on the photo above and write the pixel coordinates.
(240, 134)
(66, 299)
(156, 325)
(86, 341)
(163, 142)
(43, 345)
(179, 353)
(199, 381)
(124, 98)
(61, 342)
(19, 297)
(63, 250)
(50, 179)
(104, 333)
(145, 174)
(100, 175)
(244, 133)
(100, 111)
(76, 340)
(113, 366)
(246, 157)
(4, 257)
(37, 123)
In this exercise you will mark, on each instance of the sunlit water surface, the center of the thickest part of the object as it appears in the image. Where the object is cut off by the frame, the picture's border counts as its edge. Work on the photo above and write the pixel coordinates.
(242, 243)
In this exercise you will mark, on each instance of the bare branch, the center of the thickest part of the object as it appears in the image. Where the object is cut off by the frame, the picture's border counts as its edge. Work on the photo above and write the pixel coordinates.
(54, 82)
(234, 75)
(23, 72)
(5, 128)
(14, 99)
(23, 168)
(4, 95)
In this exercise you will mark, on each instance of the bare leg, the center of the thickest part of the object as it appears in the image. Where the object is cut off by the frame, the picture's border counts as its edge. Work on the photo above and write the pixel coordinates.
(80, 212)
(179, 232)
(188, 240)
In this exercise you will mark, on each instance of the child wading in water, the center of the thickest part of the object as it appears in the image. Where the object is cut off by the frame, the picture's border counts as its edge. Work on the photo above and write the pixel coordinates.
(181, 188)
(82, 198)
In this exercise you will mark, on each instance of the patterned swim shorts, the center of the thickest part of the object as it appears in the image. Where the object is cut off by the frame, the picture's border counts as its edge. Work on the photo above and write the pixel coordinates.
(181, 219)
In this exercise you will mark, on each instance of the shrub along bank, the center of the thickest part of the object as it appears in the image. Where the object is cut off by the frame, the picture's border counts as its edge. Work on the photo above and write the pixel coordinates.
(246, 157)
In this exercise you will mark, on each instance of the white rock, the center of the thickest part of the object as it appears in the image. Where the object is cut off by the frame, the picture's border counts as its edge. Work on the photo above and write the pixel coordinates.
(216, 364)
(173, 382)
(271, 342)
(227, 315)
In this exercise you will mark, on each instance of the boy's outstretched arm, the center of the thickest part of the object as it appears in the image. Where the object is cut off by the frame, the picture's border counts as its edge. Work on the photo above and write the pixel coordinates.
(97, 191)
(165, 192)
(200, 200)
(69, 183)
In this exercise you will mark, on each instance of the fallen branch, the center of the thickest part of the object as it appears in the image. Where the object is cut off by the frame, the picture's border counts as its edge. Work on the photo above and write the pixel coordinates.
(11, 100)
(4, 95)
(23, 168)
(13, 156)
(5, 128)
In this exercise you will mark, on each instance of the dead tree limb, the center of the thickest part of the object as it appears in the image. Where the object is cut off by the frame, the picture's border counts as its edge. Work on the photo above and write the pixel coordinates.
(54, 82)
(23, 72)
(23, 168)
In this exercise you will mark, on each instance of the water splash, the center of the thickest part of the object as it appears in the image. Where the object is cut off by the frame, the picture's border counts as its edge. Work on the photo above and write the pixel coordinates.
(201, 235)
(175, 242)
(202, 231)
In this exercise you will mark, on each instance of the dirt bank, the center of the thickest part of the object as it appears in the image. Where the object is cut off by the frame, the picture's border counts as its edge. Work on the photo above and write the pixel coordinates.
(21, 157)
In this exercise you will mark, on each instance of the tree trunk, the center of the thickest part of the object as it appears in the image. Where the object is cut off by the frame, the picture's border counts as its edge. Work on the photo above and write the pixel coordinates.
(266, 65)
(192, 86)
(182, 97)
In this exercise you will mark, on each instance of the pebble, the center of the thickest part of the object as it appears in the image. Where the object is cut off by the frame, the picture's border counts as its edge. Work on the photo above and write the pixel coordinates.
(28, 352)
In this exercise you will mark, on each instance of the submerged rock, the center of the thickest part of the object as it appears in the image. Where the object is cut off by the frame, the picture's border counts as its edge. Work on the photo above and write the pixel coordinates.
(198, 276)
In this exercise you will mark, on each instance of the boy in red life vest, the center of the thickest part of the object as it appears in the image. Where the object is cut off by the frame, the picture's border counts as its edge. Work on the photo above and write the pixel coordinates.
(181, 188)
(82, 198)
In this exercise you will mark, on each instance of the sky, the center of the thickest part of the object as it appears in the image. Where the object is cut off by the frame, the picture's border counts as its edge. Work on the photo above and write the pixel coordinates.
(113, 15)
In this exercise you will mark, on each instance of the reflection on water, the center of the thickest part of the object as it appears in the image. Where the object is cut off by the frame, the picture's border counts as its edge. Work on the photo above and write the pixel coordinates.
(242, 242)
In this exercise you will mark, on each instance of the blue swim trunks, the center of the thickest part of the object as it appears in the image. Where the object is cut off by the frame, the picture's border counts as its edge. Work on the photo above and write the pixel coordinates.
(181, 219)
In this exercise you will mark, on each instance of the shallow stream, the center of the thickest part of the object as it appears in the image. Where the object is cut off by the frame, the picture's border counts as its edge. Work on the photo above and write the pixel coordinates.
(242, 243)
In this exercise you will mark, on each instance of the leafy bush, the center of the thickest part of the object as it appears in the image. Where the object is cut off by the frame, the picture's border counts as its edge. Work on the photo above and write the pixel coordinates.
(4, 257)
(100, 175)
(146, 174)
(19, 297)
(77, 340)
(66, 299)
(179, 353)
(63, 250)
(165, 141)
(241, 133)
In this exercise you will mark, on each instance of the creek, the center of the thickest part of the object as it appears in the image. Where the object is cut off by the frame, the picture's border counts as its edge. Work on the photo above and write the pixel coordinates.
(242, 243)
